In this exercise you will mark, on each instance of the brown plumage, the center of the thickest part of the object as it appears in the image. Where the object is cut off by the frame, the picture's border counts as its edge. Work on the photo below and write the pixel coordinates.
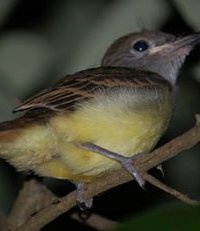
(73, 89)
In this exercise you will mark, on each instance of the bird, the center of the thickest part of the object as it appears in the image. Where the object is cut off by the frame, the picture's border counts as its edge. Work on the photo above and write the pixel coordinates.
(98, 120)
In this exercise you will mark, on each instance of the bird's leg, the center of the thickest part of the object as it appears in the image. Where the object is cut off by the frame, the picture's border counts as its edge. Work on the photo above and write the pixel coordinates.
(81, 202)
(126, 162)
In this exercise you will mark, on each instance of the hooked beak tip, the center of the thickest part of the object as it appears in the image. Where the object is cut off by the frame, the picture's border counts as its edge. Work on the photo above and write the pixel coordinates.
(181, 46)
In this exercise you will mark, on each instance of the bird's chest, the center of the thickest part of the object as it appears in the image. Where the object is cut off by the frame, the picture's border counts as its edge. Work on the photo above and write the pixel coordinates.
(122, 123)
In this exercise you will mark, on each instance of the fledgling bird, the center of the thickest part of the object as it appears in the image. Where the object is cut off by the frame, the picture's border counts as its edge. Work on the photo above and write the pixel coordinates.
(95, 121)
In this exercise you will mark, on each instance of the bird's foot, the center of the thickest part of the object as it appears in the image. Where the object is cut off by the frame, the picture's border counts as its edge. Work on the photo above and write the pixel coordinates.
(82, 203)
(126, 162)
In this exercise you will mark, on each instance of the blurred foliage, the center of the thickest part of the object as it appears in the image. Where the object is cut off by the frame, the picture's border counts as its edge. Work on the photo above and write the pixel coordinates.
(189, 10)
(165, 218)
(40, 41)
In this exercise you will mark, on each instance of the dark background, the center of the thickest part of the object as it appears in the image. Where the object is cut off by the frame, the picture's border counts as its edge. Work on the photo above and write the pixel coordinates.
(41, 41)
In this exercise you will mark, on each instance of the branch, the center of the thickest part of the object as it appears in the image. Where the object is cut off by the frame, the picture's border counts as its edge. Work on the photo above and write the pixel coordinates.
(144, 163)
(32, 197)
(35, 196)
(152, 180)
(96, 221)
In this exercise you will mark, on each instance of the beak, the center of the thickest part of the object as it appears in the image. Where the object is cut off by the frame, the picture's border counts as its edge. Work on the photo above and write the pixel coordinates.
(181, 46)
(187, 42)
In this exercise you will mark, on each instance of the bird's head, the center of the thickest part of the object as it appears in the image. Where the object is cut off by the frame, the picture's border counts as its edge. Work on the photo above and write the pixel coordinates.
(154, 51)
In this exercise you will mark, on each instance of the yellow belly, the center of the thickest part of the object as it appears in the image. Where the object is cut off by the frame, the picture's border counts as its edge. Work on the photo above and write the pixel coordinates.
(51, 150)
(111, 126)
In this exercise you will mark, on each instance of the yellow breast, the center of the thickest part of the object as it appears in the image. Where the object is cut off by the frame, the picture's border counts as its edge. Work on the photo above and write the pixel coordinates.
(120, 123)
(124, 122)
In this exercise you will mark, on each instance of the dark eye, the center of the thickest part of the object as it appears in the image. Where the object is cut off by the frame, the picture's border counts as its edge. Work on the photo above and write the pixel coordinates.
(140, 46)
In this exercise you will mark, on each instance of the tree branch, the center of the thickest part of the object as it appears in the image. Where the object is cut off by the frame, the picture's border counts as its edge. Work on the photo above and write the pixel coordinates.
(96, 221)
(152, 180)
(31, 198)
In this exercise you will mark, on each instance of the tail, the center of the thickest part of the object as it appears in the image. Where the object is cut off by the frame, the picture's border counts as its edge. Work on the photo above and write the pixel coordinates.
(10, 130)
(21, 142)
(9, 133)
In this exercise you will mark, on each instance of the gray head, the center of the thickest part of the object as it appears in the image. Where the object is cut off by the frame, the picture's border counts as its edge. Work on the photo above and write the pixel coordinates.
(154, 51)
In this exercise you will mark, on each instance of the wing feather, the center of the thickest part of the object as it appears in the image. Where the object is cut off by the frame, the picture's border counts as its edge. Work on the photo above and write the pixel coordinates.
(73, 89)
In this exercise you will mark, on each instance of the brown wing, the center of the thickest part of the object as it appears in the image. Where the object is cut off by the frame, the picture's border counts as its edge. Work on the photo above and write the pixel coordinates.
(80, 86)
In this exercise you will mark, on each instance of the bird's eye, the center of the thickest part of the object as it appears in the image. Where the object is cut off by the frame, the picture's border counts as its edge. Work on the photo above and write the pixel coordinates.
(140, 46)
